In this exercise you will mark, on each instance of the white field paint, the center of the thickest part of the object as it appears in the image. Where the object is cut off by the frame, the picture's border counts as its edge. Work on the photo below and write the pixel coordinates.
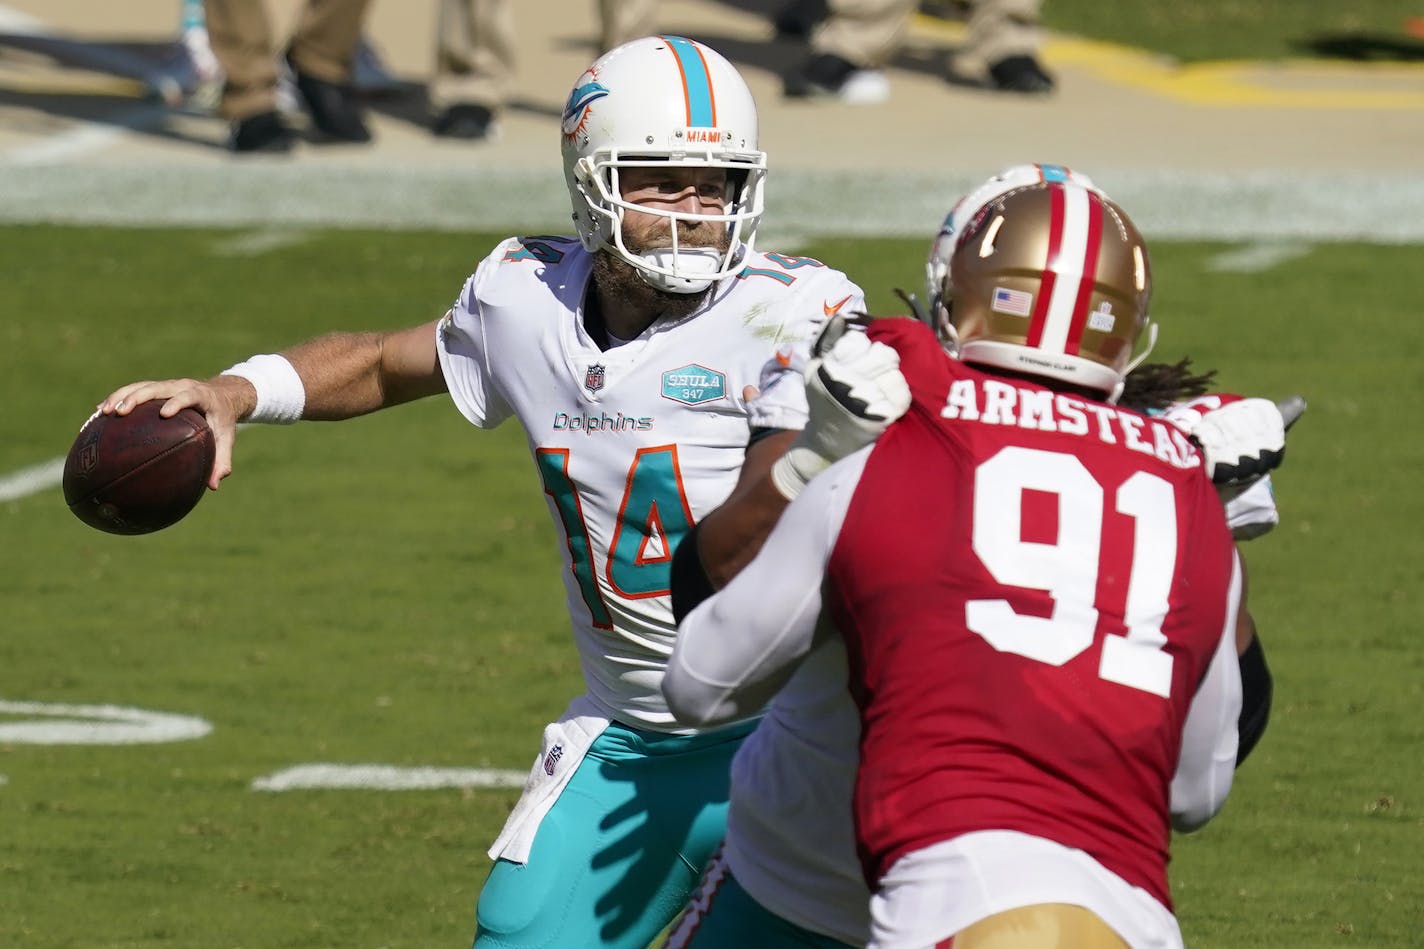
(53, 724)
(1258, 257)
(256, 243)
(1259, 206)
(31, 480)
(87, 137)
(384, 777)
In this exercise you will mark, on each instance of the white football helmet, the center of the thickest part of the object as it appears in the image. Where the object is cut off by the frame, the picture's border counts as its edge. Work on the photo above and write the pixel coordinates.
(655, 100)
(1039, 272)
(942, 248)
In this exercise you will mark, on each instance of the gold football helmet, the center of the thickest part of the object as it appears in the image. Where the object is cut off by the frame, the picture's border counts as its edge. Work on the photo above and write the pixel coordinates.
(1052, 279)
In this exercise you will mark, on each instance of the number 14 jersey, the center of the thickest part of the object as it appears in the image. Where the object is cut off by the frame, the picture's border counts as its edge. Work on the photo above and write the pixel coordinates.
(632, 444)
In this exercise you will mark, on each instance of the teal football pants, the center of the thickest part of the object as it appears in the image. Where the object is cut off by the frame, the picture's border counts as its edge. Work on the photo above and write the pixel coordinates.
(616, 857)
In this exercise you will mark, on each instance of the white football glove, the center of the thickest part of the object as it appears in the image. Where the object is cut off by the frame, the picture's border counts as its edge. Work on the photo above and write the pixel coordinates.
(1250, 509)
(854, 390)
(1243, 440)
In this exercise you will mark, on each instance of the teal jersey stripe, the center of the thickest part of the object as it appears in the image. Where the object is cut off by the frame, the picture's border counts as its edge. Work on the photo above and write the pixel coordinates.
(701, 111)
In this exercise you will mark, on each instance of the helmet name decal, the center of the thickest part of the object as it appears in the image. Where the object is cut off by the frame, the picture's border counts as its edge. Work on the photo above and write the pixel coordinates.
(699, 136)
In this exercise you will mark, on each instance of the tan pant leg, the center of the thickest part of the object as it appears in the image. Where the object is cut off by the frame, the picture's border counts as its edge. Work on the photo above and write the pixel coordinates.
(474, 53)
(1002, 28)
(324, 44)
(624, 20)
(241, 37)
(1046, 926)
(864, 32)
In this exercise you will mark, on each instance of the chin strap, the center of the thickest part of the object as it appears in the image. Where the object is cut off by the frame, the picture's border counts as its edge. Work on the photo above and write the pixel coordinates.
(697, 269)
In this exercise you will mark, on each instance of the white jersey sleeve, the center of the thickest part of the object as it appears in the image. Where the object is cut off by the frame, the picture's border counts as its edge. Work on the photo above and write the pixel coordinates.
(781, 391)
(461, 342)
(739, 646)
(1207, 762)
(1251, 512)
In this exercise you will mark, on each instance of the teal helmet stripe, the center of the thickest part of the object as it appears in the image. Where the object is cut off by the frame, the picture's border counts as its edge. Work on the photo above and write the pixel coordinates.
(696, 83)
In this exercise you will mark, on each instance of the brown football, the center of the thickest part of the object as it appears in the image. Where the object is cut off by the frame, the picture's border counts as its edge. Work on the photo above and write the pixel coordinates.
(138, 473)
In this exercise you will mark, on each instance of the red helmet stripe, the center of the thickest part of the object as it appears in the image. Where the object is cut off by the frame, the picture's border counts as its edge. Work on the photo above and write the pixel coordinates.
(1050, 267)
(1090, 273)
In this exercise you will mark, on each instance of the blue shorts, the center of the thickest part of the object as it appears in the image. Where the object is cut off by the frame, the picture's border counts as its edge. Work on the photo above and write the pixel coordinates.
(722, 915)
(620, 851)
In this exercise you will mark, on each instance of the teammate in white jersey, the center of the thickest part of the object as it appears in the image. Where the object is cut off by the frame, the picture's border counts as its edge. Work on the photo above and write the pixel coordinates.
(626, 353)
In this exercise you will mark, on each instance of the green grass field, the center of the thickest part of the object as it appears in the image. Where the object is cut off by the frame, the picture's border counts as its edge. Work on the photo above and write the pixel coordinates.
(386, 591)
(1200, 30)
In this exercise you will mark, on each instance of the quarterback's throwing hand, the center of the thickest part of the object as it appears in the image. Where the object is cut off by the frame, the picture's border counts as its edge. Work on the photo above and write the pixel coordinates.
(854, 390)
(1243, 440)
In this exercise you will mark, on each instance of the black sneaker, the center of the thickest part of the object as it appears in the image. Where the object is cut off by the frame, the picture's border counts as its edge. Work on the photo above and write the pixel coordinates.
(827, 76)
(264, 132)
(332, 108)
(467, 121)
(1020, 74)
(799, 18)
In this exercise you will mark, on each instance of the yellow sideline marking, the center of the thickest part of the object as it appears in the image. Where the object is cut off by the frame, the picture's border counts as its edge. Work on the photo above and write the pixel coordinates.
(70, 85)
(1319, 84)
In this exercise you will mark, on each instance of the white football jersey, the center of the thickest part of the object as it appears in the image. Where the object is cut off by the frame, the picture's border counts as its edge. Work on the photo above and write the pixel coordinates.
(633, 444)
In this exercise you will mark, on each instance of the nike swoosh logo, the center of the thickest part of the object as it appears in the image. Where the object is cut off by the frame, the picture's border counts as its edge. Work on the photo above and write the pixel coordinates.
(833, 308)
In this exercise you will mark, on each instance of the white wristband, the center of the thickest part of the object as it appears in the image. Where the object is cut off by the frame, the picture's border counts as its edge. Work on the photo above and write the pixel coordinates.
(793, 470)
(280, 393)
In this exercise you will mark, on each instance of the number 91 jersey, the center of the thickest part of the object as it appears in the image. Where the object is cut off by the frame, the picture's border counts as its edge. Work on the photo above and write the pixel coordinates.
(1039, 625)
(633, 444)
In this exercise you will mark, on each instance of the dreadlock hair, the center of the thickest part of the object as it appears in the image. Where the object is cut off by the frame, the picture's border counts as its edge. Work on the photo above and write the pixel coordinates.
(1155, 385)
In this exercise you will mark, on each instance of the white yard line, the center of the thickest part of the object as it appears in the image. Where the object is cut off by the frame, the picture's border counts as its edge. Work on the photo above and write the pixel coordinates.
(385, 777)
(1268, 207)
(53, 724)
(88, 137)
(31, 480)
(1257, 257)
(15, 23)
(256, 243)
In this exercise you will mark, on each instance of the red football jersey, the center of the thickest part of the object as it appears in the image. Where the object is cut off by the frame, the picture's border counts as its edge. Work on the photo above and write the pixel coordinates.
(1031, 586)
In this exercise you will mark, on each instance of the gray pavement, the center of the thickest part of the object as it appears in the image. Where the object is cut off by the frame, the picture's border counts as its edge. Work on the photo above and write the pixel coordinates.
(1294, 151)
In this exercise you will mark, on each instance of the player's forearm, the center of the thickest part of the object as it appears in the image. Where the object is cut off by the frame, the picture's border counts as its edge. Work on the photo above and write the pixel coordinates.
(343, 375)
(729, 537)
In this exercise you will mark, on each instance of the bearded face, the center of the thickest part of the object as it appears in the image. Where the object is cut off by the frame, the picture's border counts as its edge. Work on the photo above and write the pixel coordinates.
(643, 233)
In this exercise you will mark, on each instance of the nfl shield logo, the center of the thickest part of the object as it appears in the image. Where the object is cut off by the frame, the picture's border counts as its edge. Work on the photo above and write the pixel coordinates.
(551, 760)
(88, 456)
(593, 378)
